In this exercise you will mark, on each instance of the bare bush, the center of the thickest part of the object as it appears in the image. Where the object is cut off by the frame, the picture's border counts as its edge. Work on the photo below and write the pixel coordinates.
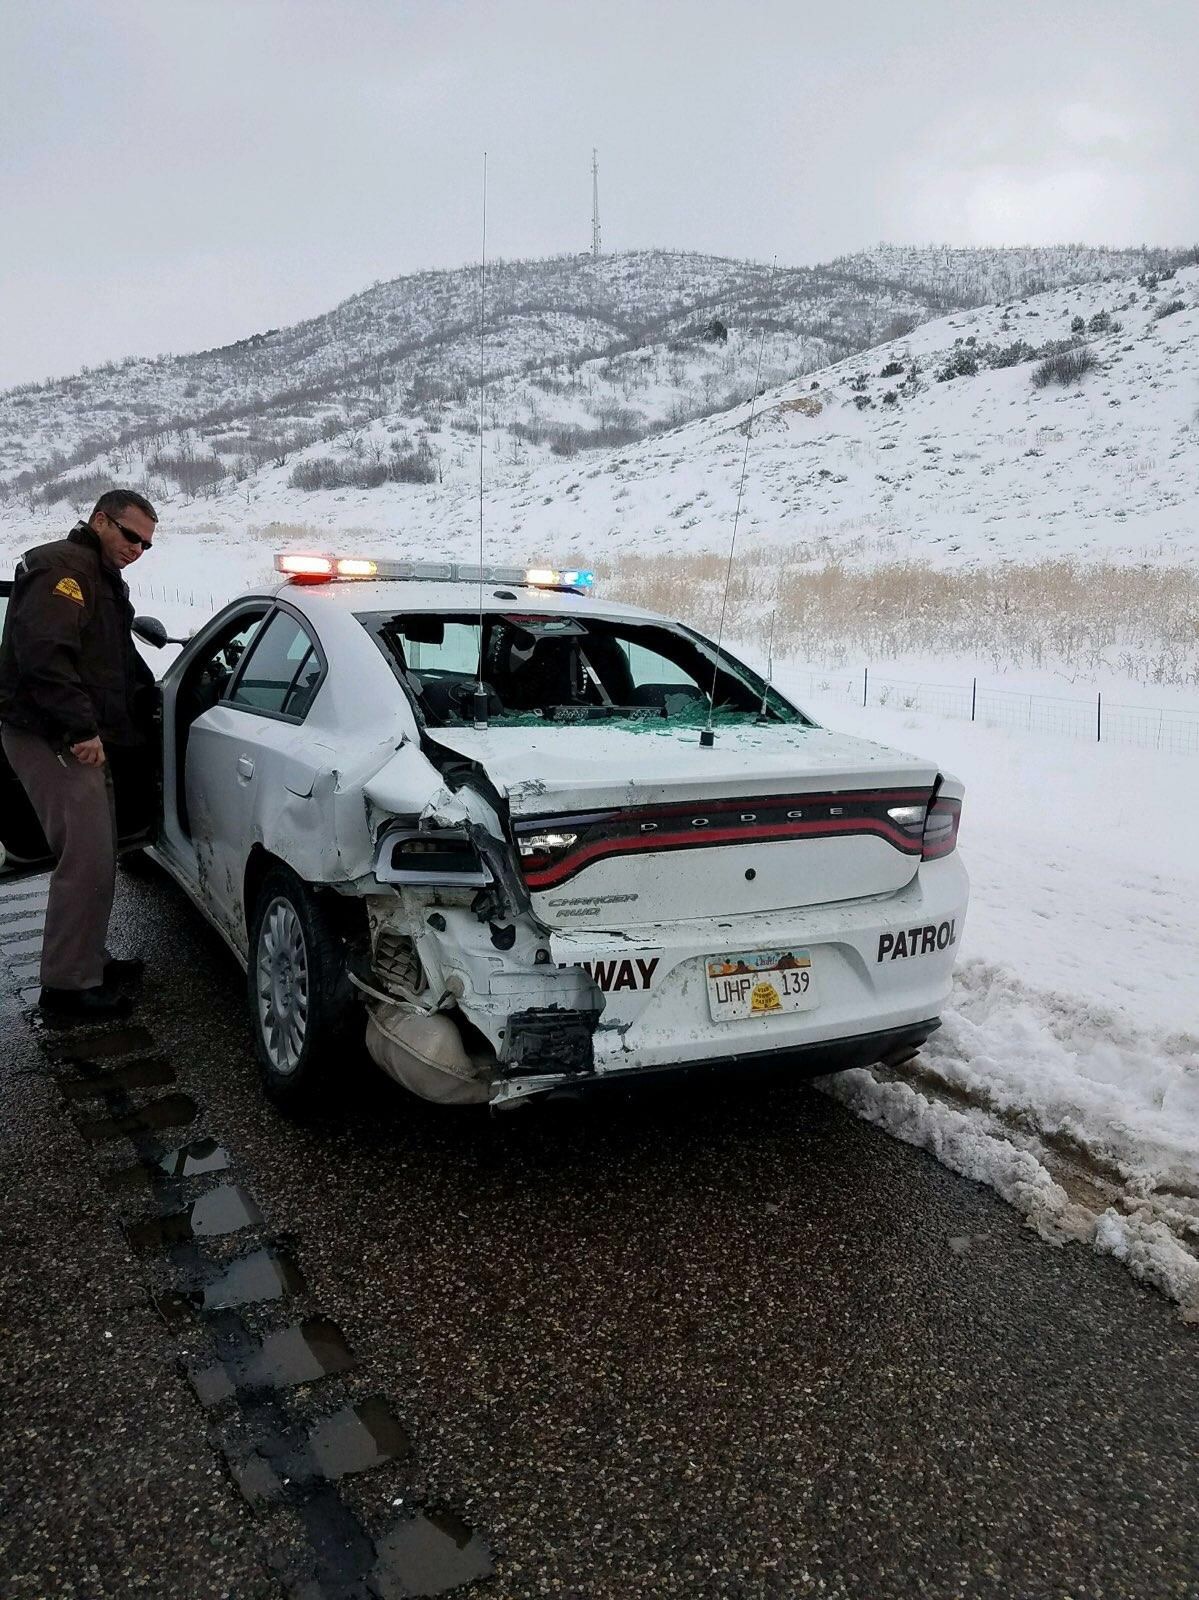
(413, 466)
(80, 491)
(1067, 367)
(328, 472)
(191, 473)
(1168, 310)
(318, 472)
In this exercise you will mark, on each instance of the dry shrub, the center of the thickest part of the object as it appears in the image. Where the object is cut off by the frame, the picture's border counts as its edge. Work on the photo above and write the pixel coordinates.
(807, 405)
(1084, 615)
(1065, 368)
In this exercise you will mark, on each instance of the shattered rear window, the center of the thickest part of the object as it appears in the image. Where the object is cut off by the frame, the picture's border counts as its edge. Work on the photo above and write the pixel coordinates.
(540, 669)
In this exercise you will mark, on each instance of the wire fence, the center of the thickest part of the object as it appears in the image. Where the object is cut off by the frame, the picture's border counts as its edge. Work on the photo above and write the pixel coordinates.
(175, 594)
(1099, 719)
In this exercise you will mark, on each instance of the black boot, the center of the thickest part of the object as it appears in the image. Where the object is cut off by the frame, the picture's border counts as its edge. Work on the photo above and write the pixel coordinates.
(83, 1005)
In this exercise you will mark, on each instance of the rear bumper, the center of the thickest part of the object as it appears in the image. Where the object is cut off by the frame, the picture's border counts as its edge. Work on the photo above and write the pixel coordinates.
(793, 1061)
(883, 970)
(868, 978)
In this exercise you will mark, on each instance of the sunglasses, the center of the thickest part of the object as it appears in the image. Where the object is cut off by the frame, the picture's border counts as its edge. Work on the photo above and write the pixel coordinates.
(134, 538)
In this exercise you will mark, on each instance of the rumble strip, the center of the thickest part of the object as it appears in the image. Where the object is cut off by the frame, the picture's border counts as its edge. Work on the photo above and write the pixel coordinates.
(286, 1420)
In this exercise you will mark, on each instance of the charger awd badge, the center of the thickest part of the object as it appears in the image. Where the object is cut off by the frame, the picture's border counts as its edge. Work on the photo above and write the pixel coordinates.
(917, 941)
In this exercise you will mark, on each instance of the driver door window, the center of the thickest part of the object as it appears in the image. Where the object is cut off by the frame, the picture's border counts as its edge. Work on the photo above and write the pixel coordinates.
(282, 673)
(210, 674)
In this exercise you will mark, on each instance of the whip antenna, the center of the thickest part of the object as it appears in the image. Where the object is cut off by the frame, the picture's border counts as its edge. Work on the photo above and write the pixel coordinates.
(762, 717)
(707, 738)
(480, 706)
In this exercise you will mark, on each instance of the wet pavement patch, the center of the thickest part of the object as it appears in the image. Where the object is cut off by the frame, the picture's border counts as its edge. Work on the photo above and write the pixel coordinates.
(150, 1072)
(192, 1160)
(172, 1111)
(101, 1046)
(266, 1274)
(429, 1554)
(357, 1438)
(250, 1280)
(352, 1439)
(314, 1348)
(223, 1210)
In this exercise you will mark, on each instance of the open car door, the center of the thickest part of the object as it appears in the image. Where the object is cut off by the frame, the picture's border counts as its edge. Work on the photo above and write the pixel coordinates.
(23, 847)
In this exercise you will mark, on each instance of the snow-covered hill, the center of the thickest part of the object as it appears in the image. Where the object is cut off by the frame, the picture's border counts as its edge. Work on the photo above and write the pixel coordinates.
(937, 445)
(381, 393)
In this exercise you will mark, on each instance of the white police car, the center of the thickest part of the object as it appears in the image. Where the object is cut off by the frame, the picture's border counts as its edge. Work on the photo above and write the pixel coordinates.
(478, 819)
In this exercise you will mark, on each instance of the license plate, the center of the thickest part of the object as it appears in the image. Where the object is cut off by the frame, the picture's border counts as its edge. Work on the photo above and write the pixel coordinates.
(762, 983)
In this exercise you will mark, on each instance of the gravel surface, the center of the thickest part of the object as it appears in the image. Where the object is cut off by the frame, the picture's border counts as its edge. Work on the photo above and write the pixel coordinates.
(713, 1340)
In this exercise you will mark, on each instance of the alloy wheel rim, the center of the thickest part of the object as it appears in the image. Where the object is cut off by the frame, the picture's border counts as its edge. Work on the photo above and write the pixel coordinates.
(281, 972)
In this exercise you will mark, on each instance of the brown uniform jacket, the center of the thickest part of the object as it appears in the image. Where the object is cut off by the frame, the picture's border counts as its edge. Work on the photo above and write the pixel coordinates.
(69, 669)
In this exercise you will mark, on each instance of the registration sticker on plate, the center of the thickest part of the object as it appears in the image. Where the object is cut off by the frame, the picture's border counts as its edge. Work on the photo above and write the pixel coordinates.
(762, 983)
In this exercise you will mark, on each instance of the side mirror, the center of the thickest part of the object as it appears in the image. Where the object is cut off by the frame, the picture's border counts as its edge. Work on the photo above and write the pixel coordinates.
(151, 631)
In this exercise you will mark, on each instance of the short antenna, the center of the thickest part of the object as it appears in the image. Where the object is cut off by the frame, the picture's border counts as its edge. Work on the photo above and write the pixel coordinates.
(480, 697)
(707, 738)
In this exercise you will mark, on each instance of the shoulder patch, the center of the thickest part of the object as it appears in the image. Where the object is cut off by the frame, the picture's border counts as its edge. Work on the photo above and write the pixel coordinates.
(71, 589)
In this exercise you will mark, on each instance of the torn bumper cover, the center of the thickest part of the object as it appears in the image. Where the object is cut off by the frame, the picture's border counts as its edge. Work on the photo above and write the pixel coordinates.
(889, 1046)
(548, 1040)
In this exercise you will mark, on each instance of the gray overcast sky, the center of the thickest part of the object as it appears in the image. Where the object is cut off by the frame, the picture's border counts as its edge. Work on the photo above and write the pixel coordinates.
(176, 174)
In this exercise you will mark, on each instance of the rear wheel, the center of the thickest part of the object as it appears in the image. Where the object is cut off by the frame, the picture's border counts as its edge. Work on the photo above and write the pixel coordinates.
(300, 997)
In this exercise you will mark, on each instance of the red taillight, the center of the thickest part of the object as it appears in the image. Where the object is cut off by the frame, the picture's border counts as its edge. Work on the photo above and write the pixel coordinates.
(941, 828)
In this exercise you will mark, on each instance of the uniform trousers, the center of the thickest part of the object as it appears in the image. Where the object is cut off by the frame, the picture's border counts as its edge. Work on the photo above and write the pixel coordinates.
(76, 808)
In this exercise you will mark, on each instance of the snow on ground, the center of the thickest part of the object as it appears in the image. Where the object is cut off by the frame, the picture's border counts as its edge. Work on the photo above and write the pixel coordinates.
(1066, 1073)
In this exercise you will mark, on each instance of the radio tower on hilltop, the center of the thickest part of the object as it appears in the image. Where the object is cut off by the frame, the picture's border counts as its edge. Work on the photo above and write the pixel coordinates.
(595, 227)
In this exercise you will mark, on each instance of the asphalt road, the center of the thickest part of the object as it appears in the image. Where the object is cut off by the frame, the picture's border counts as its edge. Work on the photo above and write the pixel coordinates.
(715, 1340)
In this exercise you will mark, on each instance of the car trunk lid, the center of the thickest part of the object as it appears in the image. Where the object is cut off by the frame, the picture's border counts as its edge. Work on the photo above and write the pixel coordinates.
(619, 826)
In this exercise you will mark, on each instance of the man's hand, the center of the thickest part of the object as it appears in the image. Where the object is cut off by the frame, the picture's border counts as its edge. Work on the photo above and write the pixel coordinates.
(89, 751)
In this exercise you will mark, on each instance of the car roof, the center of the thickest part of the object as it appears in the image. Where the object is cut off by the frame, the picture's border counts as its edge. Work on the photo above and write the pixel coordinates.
(408, 594)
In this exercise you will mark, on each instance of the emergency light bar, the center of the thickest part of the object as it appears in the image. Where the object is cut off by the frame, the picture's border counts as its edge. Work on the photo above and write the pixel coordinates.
(305, 568)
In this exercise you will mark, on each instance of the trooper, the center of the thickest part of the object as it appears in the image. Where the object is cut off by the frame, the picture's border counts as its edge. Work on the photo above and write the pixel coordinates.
(69, 681)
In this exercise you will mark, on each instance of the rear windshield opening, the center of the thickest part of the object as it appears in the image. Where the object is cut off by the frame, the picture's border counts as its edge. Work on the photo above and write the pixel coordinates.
(546, 669)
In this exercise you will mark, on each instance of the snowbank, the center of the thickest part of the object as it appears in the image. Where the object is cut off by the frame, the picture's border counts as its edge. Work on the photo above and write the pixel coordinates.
(1072, 1045)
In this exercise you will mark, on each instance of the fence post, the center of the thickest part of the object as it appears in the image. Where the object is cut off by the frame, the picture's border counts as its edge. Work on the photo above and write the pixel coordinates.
(865, 683)
(973, 697)
(1098, 716)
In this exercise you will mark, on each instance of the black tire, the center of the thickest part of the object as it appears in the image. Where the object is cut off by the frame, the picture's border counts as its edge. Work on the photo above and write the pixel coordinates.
(301, 1000)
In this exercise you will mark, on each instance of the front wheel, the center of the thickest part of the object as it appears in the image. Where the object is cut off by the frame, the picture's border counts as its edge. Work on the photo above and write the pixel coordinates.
(300, 996)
